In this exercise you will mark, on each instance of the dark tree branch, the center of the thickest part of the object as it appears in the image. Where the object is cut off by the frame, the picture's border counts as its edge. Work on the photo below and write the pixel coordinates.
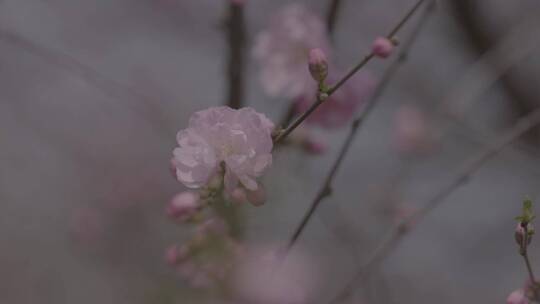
(236, 33)
(332, 16)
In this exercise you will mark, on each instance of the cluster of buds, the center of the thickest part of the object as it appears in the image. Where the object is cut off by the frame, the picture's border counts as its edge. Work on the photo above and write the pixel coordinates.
(207, 258)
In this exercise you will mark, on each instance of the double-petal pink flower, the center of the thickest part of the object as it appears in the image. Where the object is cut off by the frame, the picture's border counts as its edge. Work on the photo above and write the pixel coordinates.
(239, 141)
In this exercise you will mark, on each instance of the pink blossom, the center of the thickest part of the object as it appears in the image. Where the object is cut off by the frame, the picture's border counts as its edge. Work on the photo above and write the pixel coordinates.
(283, 48)
(382, 47)
(338, 109)
(517, 297)
(239, 139)
(184, 205)
(261, 277)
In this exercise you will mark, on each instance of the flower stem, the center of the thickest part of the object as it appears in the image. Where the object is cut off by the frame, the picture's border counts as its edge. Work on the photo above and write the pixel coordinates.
(284, 133)
(235, 66)
(525, 254)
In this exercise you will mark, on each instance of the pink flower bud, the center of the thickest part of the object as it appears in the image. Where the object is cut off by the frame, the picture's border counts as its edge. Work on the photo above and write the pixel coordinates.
(257, 197)
(239, 196)
(184, 205)
(318, 66)
(517, 297)
(382, 47)
(520, 233)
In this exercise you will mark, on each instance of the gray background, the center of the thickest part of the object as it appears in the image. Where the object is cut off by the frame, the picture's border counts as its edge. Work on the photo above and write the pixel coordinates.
(100, 139)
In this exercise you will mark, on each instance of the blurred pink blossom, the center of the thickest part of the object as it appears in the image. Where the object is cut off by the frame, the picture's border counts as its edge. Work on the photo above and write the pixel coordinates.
(341, 106)
(282, 50)
(314, 146)
(412, 133)
(261, 278)
(517, 297)
(87, 225)
(176, 254)
(239, 139)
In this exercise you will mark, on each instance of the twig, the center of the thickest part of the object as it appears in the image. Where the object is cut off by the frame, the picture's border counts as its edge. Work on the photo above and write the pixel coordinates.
(470, 167)
(235, 66)
(326, 188)
(332, 15)
(356, 68)
(108, 86)
(525, 254)
(331, 18)
(528, 263)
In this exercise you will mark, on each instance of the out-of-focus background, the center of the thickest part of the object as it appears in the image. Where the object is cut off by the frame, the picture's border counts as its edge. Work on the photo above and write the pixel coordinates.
(93, 92)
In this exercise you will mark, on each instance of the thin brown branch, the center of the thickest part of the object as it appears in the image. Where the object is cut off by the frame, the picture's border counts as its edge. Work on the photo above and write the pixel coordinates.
(326, 188)
(331, 18)
(320, 99)
(469, 168)
(110, 87)
(236, 33)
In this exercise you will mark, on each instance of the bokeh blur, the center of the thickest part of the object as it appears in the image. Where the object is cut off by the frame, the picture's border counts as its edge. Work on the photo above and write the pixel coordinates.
(92, 94)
